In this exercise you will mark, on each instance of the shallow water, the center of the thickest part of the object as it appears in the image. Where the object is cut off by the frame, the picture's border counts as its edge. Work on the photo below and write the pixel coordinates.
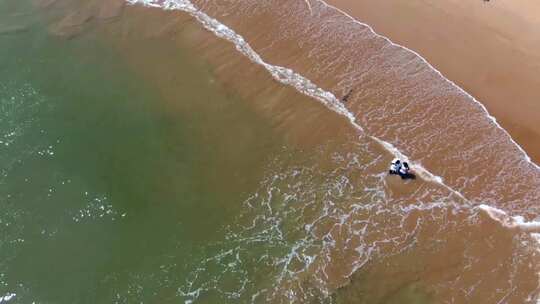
(147, 160)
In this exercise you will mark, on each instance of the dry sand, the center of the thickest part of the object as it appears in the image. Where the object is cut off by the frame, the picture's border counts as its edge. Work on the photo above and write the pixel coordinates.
(491, 49)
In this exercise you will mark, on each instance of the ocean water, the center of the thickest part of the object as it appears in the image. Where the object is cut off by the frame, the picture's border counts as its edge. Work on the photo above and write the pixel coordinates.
(105, 186)
(200, 152)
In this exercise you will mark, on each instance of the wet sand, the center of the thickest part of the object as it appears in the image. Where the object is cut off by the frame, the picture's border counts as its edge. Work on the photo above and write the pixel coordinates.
(490, 49)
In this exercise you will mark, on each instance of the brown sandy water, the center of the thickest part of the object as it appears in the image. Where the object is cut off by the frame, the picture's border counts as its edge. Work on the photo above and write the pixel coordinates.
(325, 222)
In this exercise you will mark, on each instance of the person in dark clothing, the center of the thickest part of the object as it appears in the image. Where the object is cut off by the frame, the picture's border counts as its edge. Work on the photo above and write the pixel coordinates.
(402, 169)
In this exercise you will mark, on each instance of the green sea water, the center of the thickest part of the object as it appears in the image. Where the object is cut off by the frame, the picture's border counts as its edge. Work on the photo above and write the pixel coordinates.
(107, 192)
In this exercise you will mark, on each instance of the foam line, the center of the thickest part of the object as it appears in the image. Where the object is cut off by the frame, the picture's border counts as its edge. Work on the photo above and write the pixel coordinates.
(309, 6)
(515, 222)
(492, 118)
(305, 86)
(7, 297)
(288, 77)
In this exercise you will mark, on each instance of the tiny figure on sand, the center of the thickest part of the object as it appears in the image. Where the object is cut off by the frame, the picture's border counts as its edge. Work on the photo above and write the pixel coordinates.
(347, 96)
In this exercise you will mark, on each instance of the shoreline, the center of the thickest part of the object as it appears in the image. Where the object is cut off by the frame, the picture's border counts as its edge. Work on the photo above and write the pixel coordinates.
(251, 56)
(493, 78)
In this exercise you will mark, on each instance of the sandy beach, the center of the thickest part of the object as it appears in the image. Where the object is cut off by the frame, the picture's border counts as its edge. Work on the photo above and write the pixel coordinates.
(490, 49)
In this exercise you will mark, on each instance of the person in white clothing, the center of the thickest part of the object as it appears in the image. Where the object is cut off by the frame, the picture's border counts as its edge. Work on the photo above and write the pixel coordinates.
(395, 166)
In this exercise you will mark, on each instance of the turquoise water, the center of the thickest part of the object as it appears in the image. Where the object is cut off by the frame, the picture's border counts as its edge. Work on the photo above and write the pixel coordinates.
(104, 186)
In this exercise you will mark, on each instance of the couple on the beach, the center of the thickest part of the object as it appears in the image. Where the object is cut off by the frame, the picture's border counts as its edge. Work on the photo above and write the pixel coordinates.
(401, 168)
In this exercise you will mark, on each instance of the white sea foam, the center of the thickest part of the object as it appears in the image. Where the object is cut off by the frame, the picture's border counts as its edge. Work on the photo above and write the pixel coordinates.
(472, 98)
(287, 76)
(307, 87)
(7, 297)
(511, 222)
